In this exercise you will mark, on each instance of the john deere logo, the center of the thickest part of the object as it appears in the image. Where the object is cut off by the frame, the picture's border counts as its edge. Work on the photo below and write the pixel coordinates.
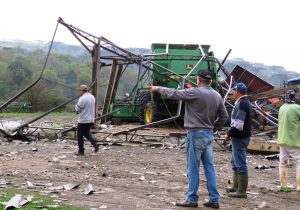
(189, 67)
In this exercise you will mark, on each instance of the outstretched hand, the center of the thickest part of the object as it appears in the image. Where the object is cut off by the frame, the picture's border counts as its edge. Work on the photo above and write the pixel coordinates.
(227, 137)
(188, 85)
(152, 89)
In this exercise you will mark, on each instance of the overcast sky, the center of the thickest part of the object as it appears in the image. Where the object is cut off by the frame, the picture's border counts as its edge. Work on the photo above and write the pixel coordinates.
(259, 31)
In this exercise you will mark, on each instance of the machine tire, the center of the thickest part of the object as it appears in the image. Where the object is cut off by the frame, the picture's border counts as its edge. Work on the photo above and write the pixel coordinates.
(150, 112)
(144, 98)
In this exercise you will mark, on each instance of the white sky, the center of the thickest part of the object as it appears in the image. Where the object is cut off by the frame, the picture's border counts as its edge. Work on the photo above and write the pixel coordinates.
(260, 31)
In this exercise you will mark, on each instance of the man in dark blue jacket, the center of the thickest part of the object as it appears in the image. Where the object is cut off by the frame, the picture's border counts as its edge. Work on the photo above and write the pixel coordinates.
(239, 133)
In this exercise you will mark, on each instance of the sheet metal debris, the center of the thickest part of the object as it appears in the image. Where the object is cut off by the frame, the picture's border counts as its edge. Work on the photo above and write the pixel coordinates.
(264, 167)
(10, 127)
(30, 185)
(17, 201)
(88, 189)
(70, 186)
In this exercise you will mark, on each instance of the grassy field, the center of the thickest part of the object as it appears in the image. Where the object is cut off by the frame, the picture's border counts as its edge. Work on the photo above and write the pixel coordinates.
(38, 201)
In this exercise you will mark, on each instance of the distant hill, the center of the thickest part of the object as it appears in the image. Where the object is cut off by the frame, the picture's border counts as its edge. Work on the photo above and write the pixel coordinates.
(275, 75)
(58, 47)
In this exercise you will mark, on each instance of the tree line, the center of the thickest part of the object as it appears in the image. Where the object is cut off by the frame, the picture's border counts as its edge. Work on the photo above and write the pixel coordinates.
(69, 66)
(61, 78)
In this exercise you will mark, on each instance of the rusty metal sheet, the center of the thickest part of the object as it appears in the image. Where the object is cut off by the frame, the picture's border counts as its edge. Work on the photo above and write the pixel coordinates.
(254, 83)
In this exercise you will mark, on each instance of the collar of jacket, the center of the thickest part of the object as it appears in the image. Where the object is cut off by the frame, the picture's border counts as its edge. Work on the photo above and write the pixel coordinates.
(237, 100)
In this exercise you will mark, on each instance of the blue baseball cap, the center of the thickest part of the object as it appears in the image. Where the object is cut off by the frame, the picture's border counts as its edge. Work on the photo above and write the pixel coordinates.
(241, 87)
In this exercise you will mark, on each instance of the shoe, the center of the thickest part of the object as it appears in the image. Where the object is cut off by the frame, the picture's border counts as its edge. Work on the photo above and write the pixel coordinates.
(96, 148)
(186, 204)
(79, 154)
(210, 204)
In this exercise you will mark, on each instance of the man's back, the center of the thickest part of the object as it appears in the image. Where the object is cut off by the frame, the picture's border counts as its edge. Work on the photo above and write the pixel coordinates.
(289, 125)
(203, 110)
(204, 107)
(86, 108)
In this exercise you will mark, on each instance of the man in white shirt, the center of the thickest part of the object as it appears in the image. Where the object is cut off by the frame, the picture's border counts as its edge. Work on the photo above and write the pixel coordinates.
(85, 107)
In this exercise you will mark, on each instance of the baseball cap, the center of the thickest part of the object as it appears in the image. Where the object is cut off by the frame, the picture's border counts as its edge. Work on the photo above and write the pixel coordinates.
(83, 87)
(205, 74)
(241, 87)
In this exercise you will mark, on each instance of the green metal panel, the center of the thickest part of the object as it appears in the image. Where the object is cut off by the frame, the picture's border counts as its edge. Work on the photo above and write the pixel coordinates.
(124, 111)
(180, 58)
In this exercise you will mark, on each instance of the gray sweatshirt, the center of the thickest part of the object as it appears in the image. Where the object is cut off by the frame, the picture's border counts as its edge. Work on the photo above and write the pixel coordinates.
(204, 108)
(86, 108)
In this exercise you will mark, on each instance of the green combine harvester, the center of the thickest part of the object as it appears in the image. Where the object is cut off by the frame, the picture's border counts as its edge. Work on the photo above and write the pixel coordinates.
(169, 65)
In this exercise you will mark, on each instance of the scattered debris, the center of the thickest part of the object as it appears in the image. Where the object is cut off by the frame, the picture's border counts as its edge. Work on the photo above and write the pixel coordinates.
(252, 193)
(71, 186)
(263, 205)
(88, 189)
(4, 183)
(17, 201)
(264, 167)
(120, 168)
(34, 149)
(272, 157)
(103, 126)
(10, 127)
(30, 185)
(57, 188)
(142, 178)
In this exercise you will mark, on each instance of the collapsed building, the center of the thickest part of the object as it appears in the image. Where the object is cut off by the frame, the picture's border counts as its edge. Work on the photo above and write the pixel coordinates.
(169, 65)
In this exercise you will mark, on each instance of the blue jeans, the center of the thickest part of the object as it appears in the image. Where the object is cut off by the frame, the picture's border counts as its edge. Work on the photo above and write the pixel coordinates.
(83, 130)
(199, 147)
(239, 152)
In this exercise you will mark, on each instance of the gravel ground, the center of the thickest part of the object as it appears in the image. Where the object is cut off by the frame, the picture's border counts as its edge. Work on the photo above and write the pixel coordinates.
(148, 175)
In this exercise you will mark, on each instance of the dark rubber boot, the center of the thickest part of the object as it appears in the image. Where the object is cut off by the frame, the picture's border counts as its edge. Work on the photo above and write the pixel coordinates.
(242, 187)
(234, 186)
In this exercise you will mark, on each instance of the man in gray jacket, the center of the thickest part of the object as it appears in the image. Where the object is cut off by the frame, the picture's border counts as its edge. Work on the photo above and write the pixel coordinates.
(204, 111)
(85, 107)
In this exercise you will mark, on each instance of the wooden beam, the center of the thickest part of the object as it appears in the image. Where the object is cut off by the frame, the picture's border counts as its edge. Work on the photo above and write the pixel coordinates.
(109, 89)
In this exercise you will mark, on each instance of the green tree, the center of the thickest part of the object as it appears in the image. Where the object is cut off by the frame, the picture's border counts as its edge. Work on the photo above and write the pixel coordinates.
(84, 77)
(19, 72)
(41, 98)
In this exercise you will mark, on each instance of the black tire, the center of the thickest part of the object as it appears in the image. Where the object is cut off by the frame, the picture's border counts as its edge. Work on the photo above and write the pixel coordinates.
(150, 112)
(143, 99)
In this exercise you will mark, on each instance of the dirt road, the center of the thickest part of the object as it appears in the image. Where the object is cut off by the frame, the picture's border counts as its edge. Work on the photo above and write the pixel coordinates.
(133, 176)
